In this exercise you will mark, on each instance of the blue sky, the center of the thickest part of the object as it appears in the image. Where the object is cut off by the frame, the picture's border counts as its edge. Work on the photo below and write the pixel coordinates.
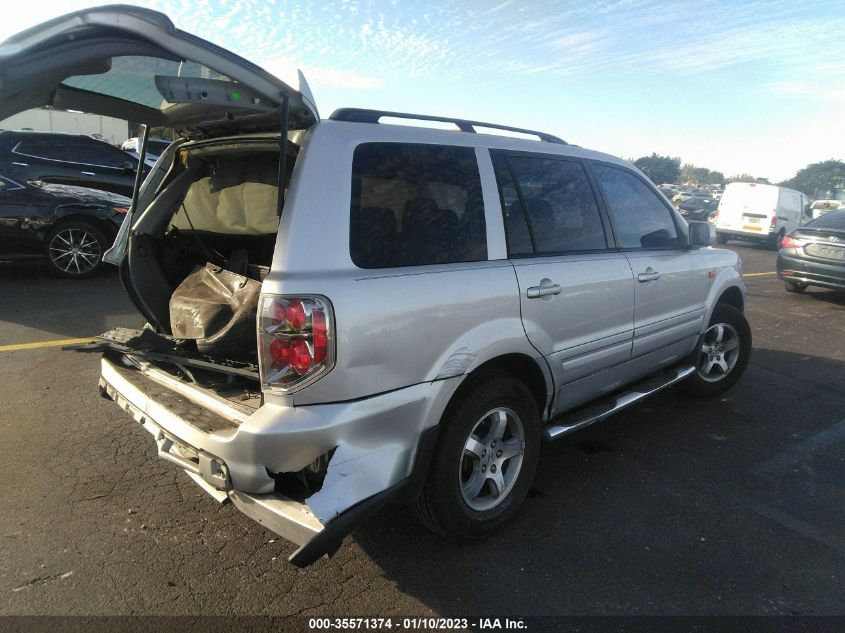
(754, 87)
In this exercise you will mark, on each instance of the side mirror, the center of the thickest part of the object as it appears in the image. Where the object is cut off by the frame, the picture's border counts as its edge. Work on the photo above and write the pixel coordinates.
(701, 234)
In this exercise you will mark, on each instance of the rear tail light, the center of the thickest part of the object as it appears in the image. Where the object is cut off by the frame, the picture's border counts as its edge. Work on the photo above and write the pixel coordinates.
(790, 242)
(295, 341)
(774, 221)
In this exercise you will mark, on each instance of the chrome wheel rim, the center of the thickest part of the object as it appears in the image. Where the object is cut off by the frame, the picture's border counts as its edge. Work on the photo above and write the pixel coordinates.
(719, 352)
(74, 251)
(491, 459)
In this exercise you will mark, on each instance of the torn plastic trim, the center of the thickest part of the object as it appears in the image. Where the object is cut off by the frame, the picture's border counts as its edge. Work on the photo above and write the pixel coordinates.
(330, 538)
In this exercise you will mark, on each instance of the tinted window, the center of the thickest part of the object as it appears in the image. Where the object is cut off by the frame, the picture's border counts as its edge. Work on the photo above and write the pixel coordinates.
(516, 227)
(8, 185)
(91, 152)
(133, 78)
(156, 147)
(641, 219)
(415, 204)
(831, 220)
(52, 147)
(561, 207)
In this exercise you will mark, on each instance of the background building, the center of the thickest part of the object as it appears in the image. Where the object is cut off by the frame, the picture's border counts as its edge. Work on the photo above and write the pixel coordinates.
(106, 128)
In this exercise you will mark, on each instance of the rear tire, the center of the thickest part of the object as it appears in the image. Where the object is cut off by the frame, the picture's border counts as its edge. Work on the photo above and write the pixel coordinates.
(774, 242)
(721, 238)
(794, 286)
(484, 462)
(74, 249)
(722, 353)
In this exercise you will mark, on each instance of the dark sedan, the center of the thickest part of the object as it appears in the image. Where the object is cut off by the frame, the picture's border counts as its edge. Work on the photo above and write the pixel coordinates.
(697, 208)
(71, 226)
(814, 254)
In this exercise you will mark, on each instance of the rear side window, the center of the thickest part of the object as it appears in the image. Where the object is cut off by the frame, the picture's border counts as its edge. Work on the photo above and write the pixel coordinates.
(560, 205)
(51, 147)
(415, 204)
(91, 152)
(641, 219)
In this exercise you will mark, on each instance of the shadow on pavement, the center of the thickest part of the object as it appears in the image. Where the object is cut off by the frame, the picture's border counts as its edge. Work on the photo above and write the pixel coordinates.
(668, 508)
(39, 306)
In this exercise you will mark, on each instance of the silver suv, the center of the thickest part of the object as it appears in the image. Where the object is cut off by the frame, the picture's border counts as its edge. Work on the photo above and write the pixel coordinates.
(415, 313)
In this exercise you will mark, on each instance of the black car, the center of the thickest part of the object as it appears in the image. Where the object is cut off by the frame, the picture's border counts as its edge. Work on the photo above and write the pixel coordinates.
(698, 208)
(71, 226)
(70, 159)
(814, 254)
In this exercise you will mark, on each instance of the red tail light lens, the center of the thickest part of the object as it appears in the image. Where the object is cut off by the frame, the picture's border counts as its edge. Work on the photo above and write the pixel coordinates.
(789, 242)
(774, 220)
(296, 314)
(321, 335)
(295, 341)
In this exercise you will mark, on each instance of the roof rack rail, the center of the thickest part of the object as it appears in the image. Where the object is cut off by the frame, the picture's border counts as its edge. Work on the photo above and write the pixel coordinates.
(361, 115)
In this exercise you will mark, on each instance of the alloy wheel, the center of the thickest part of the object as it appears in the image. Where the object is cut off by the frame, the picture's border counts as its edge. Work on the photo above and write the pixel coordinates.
(491, 459)
(719, 352)
(75, 251)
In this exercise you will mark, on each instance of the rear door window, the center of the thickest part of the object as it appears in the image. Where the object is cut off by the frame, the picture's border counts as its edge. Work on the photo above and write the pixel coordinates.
(561, 208)
(415, 204)
(516, 225)
(49, 147)
(641, 218)
(92, 152)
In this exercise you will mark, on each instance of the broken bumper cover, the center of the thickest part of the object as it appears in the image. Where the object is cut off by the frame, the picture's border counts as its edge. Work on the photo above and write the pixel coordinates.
(382, 450)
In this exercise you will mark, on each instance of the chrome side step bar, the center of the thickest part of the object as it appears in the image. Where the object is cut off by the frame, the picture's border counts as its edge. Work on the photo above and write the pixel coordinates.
(580, 418)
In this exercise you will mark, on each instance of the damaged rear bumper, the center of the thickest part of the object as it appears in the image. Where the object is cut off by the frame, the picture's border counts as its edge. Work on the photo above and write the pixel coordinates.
(382, 448)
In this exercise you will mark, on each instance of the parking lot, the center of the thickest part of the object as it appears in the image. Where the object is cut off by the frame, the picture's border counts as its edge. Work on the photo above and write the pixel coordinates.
(678, 506)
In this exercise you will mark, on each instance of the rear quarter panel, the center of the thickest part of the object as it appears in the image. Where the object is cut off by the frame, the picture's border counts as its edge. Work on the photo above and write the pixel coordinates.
(394, 327)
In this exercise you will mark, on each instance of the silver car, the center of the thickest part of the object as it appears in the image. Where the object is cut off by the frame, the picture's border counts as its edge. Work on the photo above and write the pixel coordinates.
(343, 312)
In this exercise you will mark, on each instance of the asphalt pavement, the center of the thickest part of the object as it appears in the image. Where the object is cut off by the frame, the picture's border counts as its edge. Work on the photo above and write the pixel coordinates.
(733, 505)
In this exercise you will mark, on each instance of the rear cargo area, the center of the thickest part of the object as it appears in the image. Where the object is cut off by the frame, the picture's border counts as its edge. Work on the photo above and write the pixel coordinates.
(200, 248)
(196, 257)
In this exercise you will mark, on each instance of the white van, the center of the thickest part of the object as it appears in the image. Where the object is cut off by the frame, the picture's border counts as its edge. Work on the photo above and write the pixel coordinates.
(764, 213)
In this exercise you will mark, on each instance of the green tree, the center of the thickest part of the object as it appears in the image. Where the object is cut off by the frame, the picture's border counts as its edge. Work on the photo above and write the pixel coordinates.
(659, 169)
(715, 178)
(692, 173)
(741, 178)
(819, 180)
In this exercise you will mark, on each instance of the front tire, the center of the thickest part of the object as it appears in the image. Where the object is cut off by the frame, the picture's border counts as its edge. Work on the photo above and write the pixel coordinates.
(722, 354)
(485, 460)
(75, 249)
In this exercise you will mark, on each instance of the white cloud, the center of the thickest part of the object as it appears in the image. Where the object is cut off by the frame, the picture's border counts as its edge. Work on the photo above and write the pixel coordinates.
(320, 76)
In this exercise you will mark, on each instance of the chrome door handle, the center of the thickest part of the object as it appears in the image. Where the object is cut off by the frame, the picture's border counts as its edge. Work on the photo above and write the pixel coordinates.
(543, 290)
(649, 275)
(87, 173)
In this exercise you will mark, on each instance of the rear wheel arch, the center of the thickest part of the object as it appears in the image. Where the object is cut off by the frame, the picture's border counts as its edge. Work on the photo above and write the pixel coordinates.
(522, 367)
(75, 215)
